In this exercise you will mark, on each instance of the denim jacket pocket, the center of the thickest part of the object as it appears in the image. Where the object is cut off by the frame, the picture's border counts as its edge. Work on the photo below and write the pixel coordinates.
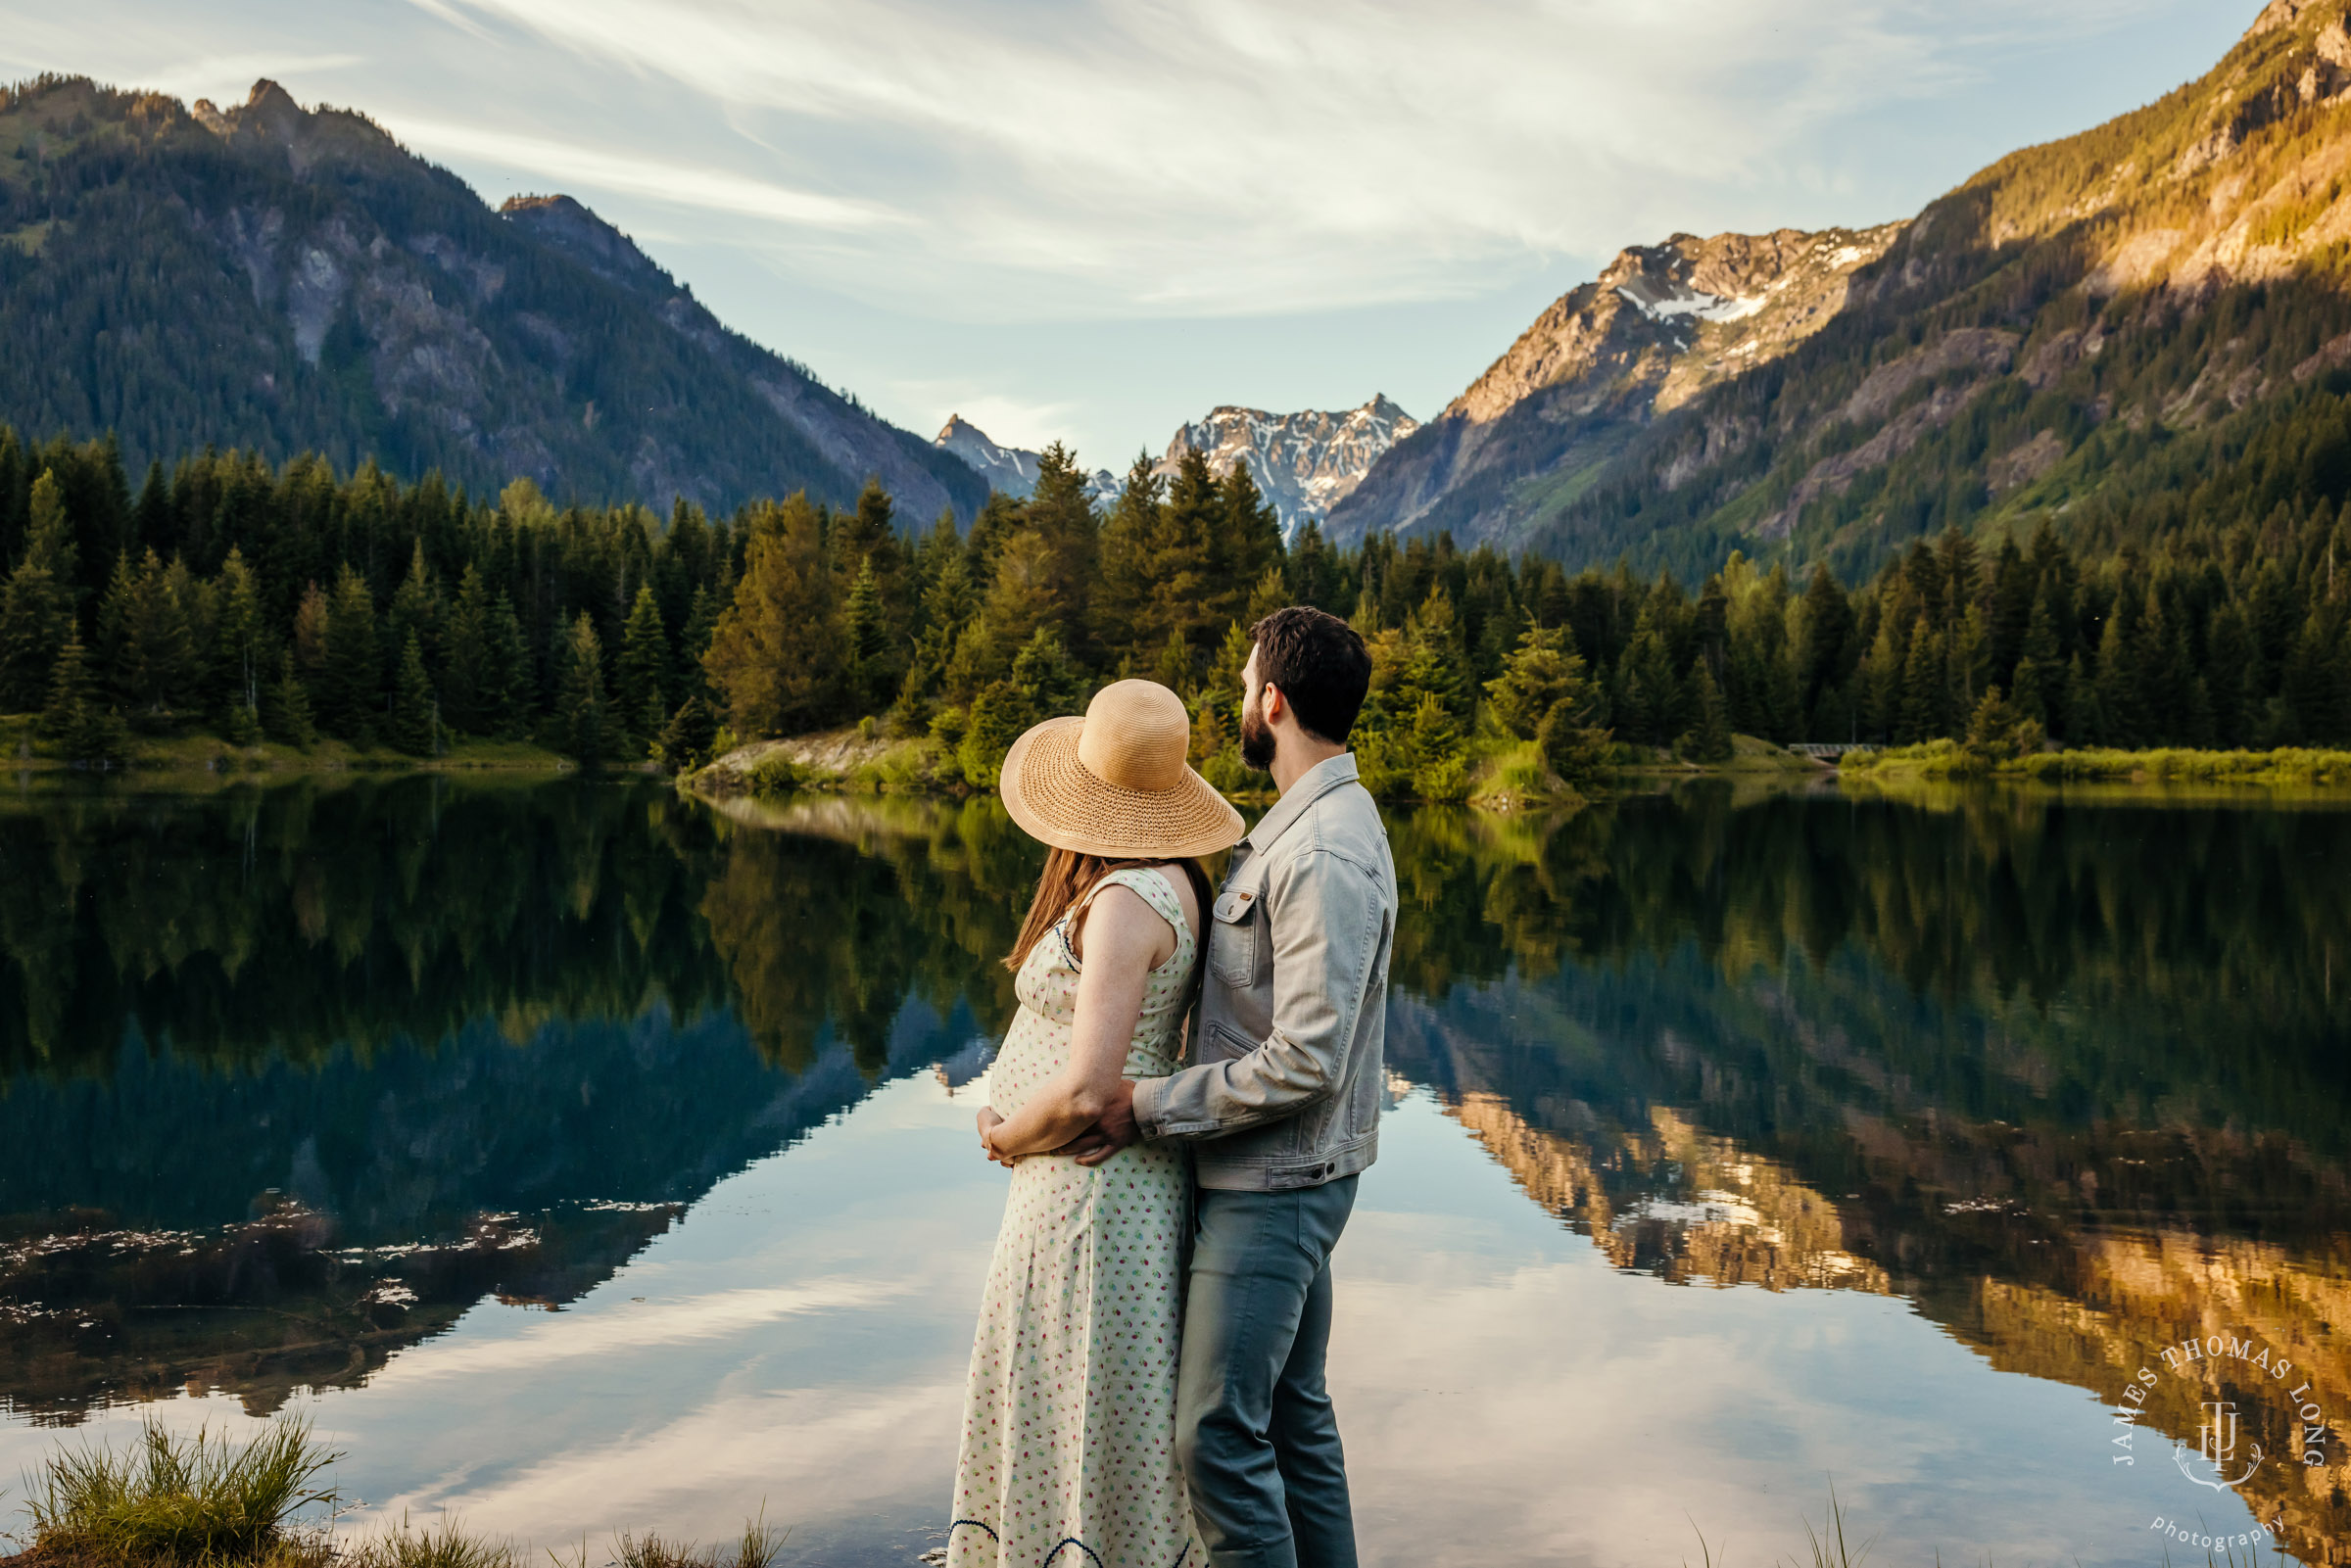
(1233, 943)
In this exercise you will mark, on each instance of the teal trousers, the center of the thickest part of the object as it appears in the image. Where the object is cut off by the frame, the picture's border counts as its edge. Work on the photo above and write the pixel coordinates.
(1254, 1428)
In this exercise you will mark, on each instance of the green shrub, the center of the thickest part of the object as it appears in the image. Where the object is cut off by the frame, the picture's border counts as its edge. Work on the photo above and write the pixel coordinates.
(777, 774)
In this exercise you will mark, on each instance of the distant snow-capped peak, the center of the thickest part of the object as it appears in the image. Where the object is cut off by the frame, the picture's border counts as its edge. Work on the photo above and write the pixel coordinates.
(1305, 462)
(1013, 470)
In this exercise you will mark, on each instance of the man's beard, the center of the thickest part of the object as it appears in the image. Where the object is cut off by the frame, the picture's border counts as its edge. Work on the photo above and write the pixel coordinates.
(1257, 740)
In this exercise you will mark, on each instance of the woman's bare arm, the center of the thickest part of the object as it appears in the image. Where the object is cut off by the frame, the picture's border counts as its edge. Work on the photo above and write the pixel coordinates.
(1121, 941)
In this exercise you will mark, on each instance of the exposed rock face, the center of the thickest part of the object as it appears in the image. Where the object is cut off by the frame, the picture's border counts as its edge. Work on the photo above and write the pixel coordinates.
(1660, 325)
(1012, 470)
(378, 309)
(1304, 463)
(1958, 362)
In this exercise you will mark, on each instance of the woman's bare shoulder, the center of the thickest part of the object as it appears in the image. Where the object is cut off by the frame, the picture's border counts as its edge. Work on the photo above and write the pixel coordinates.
(1120, 908)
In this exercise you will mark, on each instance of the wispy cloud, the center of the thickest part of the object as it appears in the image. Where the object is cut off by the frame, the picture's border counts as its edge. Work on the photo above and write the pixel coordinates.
(602, 1336)
(1205, 155)
(678, 184)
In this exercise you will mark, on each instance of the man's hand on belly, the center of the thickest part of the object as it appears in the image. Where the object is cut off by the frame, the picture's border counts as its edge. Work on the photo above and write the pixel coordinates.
(1113, 1131)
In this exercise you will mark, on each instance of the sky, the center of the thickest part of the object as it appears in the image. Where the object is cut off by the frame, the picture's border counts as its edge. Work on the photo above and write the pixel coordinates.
(1091, 221)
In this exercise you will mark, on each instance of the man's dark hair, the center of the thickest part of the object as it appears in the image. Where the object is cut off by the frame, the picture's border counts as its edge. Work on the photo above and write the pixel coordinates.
(1320, 664)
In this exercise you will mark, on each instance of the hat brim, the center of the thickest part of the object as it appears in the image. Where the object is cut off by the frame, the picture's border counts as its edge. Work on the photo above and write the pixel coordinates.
(1056, 799)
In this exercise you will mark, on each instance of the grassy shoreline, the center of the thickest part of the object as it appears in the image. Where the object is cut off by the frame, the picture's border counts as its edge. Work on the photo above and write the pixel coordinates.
(1503, 776)
(207, 753)
(2295, 767)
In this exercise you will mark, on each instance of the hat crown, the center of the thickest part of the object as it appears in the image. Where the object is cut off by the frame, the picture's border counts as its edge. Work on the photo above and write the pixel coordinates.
(1136, 737)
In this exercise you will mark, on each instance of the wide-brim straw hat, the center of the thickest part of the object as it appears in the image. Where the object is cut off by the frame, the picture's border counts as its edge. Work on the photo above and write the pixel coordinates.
(1115, 783)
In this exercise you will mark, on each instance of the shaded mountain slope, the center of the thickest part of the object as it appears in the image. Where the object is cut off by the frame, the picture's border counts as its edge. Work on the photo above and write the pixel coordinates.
(295, 280)
(2122, 330)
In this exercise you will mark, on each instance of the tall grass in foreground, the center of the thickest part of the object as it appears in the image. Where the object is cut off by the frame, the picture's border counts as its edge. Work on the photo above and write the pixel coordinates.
(169, 1498)
(756, 1547)
(204, 1501)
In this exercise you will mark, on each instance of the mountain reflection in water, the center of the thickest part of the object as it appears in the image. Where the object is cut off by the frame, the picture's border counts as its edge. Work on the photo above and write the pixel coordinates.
(293, 1076)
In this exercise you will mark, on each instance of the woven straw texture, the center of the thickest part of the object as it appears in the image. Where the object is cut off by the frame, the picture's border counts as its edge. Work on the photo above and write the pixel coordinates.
(1115, 783)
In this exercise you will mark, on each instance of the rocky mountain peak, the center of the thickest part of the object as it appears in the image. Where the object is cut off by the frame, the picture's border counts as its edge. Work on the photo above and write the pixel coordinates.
(1013, 470)
(2278, 15)
(269, 117)
(1304, 463)
(1661, 322)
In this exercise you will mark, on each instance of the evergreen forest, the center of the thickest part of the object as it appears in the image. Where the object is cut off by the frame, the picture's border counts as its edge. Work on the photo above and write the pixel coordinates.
(229, 597)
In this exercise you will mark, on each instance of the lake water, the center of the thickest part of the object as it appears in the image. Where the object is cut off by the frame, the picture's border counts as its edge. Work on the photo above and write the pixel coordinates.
(580, 1158)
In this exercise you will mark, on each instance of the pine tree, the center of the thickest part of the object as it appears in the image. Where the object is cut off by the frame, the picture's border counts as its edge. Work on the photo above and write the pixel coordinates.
(1314, 574)
(412, 727)
(2228, 671)
(351, 675)
(1174, 668)
(1824, 634)
(775, 655)
(1246, 543)
(1127, 541)
(288, 716)
(1574, 750)
(1272, 593)
(36, 606)
(238, 641)
(1545, 671)
(147, 640)
(78, 718)
(998, 715)
(637, 685)
(1178, 567)
(469, 682)
(2040, 649)
(583, 722)
(2122, 720)
(1925, 686)
(35, 624)
(1063, 516)
(685, 741)
(701, 623)
(1435, 662)
(415, 610)
(868, 640)
(1709, 735)
(1439, 760)
(504, 700)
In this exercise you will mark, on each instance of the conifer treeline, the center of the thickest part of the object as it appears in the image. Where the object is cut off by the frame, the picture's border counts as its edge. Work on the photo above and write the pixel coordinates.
(228, 596)
(245, 600)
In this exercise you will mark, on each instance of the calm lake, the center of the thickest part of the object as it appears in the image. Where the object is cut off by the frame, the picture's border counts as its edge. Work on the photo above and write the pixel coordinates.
(578, 1157)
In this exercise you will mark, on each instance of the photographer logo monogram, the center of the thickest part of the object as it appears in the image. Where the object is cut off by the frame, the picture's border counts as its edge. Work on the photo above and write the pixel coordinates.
(2235, 1435)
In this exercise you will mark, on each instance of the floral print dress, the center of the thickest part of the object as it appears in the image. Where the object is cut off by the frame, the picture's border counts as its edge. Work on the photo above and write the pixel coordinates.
(1069, 1426)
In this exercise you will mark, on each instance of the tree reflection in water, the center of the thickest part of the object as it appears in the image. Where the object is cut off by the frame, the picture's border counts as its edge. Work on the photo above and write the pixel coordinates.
(2066, 1074)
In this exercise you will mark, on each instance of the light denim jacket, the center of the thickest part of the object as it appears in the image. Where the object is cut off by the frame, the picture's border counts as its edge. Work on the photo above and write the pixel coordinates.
(1287, 1077)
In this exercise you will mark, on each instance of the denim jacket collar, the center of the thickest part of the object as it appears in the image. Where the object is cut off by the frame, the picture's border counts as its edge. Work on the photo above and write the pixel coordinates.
(1311, 786)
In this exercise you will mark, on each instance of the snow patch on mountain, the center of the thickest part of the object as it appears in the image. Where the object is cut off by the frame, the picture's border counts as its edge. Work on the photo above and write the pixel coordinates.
(1304, 463)
(1013, 470)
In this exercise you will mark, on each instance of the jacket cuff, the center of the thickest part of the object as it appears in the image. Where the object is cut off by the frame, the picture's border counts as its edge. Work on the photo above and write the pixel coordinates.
(1150, 1105)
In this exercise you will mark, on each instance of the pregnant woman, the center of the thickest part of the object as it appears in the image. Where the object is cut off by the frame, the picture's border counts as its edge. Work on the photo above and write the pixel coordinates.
(1069, 1425)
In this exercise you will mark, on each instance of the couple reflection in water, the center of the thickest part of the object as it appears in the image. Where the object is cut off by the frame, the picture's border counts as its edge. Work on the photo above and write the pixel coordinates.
(1185, 1099)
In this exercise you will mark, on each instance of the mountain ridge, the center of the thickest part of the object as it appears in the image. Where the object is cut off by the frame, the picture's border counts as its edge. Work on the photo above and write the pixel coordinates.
(2087, 332)
(1303, 464)
(308, 284)
(1013, 470)
(1658, 326)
